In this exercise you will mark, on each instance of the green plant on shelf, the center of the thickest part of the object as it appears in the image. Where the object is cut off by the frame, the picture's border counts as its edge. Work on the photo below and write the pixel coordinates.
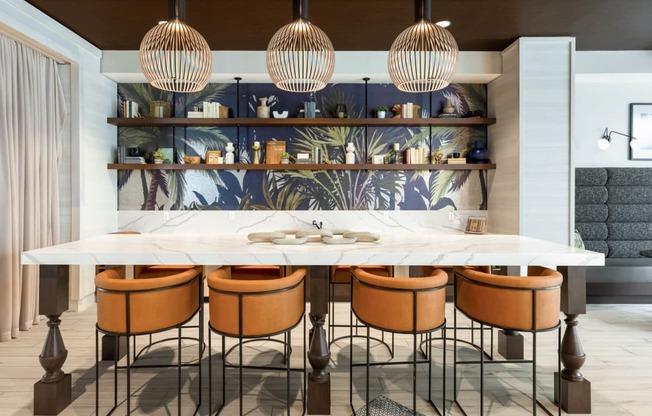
(381, 111)
(159, 157)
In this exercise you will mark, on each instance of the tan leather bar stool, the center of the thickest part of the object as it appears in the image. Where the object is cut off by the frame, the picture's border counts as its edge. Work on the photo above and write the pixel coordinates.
(522, 303)
(156, 271)
(248, 309)
(401, 305)
(129, 307)
(341, 275)
(472, 328)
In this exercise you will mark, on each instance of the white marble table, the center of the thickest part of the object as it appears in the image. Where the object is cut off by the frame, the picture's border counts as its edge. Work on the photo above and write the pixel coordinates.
(232, 249)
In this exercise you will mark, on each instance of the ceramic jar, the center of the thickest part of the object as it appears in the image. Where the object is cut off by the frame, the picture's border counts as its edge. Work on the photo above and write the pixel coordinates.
(479, 153)
(448, 109)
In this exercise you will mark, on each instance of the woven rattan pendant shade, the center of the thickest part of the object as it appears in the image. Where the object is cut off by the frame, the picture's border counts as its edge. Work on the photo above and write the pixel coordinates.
(175, 57)
(424, 56)
(300, 56)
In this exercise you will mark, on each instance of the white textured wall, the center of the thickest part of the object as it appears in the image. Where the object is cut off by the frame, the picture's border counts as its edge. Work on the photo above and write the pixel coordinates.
(92, 97)
(530, 193)
(547, 79)
(604, 102)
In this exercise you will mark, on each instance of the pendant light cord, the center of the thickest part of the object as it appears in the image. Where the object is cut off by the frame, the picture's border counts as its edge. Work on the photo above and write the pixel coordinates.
(300, 9)
(422, 10)
(177, 9)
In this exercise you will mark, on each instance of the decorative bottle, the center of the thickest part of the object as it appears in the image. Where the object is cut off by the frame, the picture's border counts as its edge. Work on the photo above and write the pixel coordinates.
(262, 111)
(229, 158)
(350, 154)
(448, 109)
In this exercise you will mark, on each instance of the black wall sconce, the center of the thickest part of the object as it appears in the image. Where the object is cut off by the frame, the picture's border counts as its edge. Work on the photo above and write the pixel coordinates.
(605, 140)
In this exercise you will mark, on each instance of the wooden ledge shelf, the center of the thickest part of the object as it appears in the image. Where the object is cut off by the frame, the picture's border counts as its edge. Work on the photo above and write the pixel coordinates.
(135, 166)
(300, 122)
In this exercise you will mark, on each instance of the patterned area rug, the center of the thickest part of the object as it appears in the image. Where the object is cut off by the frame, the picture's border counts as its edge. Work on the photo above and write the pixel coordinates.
(382, 406)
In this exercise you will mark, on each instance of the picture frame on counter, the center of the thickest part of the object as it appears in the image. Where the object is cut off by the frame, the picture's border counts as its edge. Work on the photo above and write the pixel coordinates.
(476, 225)
(213, 156)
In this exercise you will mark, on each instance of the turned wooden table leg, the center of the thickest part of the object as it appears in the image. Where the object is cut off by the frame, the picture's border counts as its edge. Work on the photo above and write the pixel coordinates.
(575, 389)
(510, 342)
(319, 380)
(53, 392)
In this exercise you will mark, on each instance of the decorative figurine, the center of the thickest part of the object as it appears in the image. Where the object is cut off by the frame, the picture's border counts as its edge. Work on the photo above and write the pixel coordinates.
(229, 158)
(437, 156)
(350, 154)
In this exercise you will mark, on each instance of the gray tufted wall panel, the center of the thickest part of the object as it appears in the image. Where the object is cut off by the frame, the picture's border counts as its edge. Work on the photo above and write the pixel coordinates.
(613, 210)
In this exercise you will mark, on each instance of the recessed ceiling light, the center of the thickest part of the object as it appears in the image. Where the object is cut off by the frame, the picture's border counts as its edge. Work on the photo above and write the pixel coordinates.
(443, 23)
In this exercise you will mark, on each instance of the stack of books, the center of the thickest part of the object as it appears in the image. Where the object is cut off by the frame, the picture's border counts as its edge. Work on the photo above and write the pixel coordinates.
(303, 158)
(214, 110)
(134, 159)
(410, 110)
(456, 160)
(129, 109)
(122, 153)
(416, 156)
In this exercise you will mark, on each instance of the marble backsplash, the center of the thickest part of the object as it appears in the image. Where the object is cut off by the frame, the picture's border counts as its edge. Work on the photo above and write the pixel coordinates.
(244, 222)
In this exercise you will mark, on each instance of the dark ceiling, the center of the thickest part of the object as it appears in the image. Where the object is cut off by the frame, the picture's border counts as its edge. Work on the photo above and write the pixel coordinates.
(478, 25)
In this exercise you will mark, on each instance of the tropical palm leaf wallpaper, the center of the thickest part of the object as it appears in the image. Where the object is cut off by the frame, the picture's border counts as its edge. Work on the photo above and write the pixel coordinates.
(302, 190)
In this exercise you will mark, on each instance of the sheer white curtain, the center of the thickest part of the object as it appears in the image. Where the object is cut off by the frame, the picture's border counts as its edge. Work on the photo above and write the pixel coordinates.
(32, 112)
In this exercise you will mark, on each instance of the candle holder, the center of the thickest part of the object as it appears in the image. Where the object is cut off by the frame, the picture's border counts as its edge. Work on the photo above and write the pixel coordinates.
(256, 149)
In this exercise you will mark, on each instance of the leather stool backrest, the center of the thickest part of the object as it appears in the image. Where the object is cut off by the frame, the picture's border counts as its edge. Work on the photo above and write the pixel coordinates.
(394, 303)
(256, 272)
(152, 304)
(255, 308)
(342, 274)
(509, 301)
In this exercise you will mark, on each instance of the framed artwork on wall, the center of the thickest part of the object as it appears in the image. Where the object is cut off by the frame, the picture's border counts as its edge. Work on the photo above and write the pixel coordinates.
(640, 127)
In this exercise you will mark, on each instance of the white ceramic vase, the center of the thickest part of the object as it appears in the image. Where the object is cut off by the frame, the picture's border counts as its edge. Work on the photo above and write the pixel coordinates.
(262, 111)
(229, 158)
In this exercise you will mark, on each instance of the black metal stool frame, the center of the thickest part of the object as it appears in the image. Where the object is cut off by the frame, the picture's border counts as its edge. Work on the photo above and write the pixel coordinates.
(128, 334)
(332, 325)
(533, 361)
(242, 340)
(414, 361)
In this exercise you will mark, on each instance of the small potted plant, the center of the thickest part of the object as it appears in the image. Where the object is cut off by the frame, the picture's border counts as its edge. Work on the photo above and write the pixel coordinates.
(381, 110)
(159, 157)
(285, 158)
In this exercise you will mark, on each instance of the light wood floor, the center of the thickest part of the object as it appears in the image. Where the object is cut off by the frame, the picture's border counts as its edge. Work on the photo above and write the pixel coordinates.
(616, 338)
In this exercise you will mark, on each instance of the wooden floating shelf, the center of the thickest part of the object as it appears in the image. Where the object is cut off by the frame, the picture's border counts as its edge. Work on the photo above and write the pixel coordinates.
(300, 122)
(311, 166)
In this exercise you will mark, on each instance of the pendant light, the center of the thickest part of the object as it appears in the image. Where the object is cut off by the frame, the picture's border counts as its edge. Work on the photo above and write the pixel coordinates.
(174, 56)
(300, 56)
(424, 56)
